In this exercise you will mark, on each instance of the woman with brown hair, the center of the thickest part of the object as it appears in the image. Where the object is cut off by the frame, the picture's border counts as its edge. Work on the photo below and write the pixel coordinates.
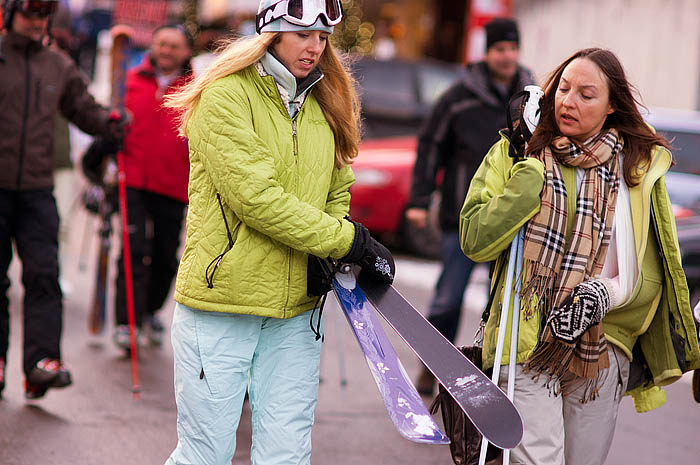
(605, 306)
(272, 125)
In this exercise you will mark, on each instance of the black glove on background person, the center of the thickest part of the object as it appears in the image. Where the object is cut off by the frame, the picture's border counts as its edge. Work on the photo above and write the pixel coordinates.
(117, 126)
(375, 259)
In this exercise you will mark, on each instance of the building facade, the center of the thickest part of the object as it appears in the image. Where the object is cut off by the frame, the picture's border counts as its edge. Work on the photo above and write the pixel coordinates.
(658, 41)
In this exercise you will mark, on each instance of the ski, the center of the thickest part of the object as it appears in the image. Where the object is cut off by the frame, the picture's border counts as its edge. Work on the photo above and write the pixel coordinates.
(486, 405)
(98, 308)
(120, 57)
(406, 409)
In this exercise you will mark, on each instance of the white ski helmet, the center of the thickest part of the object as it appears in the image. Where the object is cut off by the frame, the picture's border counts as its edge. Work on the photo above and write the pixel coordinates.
(296, 15)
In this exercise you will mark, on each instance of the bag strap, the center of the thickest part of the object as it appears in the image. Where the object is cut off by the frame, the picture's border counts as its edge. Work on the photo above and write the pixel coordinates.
(492, 295)
(517, 134)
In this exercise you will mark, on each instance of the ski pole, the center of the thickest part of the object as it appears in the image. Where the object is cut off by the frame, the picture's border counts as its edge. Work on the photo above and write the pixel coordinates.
(515, 321)
(514, 246)
(528, 120)
(341, 358)
(126, 250)
(85, 244)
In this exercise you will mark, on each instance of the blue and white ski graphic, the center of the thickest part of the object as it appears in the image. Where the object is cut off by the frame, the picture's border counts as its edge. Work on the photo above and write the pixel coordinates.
(402, 401)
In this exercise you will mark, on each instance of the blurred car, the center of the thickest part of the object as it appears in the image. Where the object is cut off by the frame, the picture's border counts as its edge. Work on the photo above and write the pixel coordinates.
(397, 95)
(682, 128)
(383, 171)
(379, 196)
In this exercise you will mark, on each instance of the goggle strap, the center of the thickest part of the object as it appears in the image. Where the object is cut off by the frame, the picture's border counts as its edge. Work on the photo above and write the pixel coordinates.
(261, 19)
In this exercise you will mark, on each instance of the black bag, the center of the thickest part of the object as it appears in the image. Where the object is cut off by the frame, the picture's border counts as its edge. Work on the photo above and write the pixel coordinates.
(696, 385)
(465, 439)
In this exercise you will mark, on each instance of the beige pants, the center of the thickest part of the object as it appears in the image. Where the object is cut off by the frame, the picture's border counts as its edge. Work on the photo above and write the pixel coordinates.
(561, 430)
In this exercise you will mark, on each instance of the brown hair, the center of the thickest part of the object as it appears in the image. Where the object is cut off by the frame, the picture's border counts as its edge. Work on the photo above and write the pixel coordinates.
(638, 137)
(335, 93)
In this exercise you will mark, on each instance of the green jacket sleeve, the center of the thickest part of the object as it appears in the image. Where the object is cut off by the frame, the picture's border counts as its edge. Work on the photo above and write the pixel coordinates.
(502, 197)
(338, 203)
(242, 168)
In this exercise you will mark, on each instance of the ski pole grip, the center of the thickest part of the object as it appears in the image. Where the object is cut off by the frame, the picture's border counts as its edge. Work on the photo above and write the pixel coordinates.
(531, 112)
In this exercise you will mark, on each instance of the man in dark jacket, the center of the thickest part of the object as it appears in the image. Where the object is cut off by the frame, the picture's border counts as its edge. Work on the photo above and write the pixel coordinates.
(36, 82)
(458, 133)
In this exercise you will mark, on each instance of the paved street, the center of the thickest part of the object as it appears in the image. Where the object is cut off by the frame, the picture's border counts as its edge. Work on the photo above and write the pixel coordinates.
(97, 421)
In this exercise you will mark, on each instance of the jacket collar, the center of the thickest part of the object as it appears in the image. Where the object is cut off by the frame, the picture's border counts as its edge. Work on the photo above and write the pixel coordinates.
(19, 42)
(291, 88)
(479, 82)
(147, 68)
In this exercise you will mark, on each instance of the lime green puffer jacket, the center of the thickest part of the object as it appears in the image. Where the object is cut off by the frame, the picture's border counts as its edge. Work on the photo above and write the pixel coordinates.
(264, 193)
(654, 327)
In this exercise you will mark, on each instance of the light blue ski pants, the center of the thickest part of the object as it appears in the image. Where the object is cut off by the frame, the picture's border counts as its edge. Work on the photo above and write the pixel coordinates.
(219, 355)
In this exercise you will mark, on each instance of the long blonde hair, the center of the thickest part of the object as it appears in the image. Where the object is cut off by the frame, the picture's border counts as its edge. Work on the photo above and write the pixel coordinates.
(335, 93)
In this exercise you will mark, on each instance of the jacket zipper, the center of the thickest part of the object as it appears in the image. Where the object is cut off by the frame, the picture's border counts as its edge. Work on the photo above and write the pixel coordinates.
(38, 95)
(25, 117)
(289, 253)
(209, 278)
(294, 137)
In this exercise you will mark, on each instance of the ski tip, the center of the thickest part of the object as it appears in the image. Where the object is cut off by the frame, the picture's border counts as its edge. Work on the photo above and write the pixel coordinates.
(421, 428)
(121, 31)
(507, 438)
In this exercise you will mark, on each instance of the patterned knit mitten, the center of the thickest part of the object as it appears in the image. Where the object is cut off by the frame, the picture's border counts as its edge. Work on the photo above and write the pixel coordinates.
(584, 307)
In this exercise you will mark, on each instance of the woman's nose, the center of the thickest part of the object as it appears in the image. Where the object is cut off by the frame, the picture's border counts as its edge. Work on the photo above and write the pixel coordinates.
(568, 99)
(316, 45)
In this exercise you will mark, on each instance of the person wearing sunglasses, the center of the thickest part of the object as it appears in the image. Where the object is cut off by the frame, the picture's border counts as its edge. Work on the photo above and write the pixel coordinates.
(36, 83)
(273, 125)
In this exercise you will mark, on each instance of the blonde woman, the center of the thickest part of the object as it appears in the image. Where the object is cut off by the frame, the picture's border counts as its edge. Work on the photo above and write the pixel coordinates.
(272, 126)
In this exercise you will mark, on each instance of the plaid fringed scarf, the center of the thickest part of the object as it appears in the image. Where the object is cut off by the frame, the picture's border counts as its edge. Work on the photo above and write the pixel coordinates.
(553, 271)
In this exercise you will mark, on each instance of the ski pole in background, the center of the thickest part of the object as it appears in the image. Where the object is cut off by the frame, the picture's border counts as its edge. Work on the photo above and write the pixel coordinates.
(341, 358)
(528, 122)
(84, 246)
(121, 44)
(128, 278)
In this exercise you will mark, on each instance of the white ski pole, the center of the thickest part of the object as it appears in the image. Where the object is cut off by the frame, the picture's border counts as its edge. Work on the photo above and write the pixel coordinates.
(341, 358)
(530, 116)
(495, 376)
(515, 321)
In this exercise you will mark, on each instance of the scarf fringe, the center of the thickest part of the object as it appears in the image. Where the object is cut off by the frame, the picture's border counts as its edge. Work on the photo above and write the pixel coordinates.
(538, 283)
(550, 357)
(553, 359)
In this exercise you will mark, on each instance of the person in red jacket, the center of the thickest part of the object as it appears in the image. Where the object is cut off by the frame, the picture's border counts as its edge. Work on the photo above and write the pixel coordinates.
(157, 169)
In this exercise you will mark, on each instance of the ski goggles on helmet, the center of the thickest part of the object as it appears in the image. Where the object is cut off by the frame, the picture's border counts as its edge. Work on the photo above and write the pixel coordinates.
(301, 12)
(39, 8)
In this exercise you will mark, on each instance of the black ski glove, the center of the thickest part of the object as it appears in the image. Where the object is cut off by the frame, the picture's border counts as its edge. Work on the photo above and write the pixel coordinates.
(92, 161)
(117, 126)
(375, 259)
